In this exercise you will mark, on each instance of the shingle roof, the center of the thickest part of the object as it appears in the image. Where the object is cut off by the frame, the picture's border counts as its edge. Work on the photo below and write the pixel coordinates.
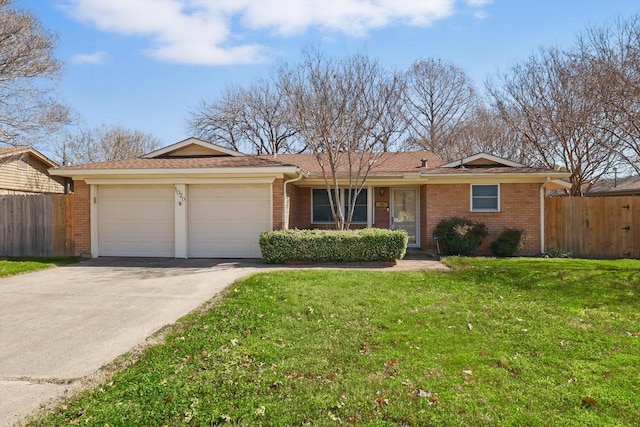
(9, 151)
(622, 185)
(23, 149)
(182, 163)
(486, 170)
(386, 164)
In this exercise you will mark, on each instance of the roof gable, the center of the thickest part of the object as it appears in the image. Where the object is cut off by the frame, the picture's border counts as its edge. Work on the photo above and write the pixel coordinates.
(22, 150)
(192, 147)
(482, 160)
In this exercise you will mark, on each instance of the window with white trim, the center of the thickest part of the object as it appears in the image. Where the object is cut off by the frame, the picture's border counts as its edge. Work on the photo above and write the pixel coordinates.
(321, 208)
(485, 198)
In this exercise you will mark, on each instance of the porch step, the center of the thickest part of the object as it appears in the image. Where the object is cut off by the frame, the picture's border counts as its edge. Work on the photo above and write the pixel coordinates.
(419, 254)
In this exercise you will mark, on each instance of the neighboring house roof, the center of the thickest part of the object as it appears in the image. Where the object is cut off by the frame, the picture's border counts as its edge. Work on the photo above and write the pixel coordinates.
(626, 186)
(24, 170)
(23, 149)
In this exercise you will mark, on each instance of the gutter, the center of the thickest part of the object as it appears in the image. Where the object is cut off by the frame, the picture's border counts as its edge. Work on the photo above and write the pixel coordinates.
(542, 237)
(285, 219)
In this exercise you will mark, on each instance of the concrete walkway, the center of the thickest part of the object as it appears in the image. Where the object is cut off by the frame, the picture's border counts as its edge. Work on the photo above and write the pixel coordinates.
(63, 324)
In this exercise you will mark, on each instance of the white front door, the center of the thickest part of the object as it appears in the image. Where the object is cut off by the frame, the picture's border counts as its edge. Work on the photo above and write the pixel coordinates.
(405, 213)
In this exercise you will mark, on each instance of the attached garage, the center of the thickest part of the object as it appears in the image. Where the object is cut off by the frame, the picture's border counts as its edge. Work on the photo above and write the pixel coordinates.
(192, 199)
(136, 220)
(225, 221)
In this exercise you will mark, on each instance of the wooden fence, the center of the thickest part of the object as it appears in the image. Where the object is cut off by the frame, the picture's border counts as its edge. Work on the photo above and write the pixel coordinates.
(36, 226)
(594, 227)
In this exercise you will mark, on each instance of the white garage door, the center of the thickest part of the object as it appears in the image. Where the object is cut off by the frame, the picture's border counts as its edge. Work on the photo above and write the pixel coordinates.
(136, 220)
(226, 221)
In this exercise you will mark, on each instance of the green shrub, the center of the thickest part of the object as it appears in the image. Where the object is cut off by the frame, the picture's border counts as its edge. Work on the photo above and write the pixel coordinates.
(509, 242)
(367, 245)
(459, 236)
(557, 253)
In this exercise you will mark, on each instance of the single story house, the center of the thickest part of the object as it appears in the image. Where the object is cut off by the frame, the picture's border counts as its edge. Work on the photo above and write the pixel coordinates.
(194, 199)
(24, 171)
(623, 186)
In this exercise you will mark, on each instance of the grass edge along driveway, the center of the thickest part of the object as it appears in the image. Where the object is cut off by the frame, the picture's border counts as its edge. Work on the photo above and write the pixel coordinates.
(13, 266)
(493, 342)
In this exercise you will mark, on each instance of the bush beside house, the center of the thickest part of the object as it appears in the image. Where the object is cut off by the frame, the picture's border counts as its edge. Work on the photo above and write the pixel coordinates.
(509, 242)
(459, 236)
(367, 245)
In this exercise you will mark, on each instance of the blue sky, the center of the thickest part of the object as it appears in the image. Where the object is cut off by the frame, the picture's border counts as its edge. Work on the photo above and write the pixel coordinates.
(145, 64)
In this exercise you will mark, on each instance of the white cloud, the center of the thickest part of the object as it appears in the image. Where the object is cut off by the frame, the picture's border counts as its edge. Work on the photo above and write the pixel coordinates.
(90, 58)
(215, 32)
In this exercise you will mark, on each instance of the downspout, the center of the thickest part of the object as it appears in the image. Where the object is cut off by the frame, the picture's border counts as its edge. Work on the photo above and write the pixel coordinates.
(285, 219)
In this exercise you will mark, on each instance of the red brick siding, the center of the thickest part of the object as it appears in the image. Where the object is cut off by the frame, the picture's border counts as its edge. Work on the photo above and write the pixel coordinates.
(300, 207)
(278, 200)
(82, 207)
(519, 208)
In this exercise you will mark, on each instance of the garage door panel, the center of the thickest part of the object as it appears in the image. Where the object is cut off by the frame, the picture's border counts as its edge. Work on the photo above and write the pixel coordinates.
(226, 221)
(136, 221)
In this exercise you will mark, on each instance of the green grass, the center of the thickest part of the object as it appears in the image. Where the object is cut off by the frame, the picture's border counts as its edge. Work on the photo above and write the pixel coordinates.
(526, 342)
(11, 266)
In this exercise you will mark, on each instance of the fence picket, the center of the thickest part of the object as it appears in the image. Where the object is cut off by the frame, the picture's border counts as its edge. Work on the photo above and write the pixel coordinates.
(39, 225)
(594, 227)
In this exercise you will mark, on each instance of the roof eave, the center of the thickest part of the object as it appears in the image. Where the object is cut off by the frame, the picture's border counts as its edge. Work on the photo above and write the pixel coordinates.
(72, 173)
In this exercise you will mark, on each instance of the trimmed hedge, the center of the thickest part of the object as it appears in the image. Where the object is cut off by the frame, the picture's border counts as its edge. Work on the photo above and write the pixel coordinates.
(367, 245)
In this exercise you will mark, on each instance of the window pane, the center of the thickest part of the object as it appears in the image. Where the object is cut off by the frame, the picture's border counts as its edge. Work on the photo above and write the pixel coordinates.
(360, 210)
(485, 203)
(320, 196)
(359, 214)
(485, 190)
(321, 208)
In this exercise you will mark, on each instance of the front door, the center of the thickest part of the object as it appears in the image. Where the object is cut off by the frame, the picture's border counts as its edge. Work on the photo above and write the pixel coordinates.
(405, 214)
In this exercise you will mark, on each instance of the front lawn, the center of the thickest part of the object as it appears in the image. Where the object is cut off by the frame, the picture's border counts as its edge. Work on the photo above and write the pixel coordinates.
(492, 343)
(11, 266)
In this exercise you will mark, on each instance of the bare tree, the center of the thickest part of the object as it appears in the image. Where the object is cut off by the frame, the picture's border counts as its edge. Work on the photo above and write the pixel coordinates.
(486, 132)
(439, 99)
(547, 100)
(28, 111)
(612, 55)
(252, 120)
(105, 143)
(342, 109)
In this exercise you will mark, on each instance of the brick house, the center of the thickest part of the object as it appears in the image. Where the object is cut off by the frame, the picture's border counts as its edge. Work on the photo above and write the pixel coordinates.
(194, 199)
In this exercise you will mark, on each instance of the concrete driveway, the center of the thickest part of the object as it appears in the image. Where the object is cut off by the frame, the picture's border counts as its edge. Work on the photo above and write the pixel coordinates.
(65, 323)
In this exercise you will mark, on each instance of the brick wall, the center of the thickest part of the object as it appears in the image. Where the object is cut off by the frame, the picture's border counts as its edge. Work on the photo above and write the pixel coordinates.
(82, 217)
(519, 208)
(278, 200)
